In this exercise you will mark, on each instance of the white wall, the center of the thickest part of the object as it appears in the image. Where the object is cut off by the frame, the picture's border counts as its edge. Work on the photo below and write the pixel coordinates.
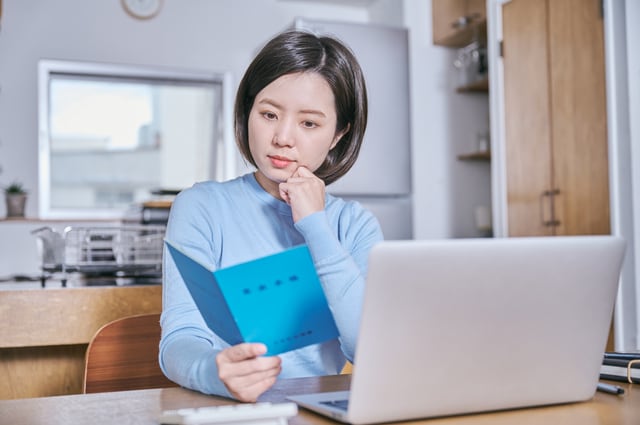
(631, 339)
(223, 36)
(444, 125)
(623, 106)
(212, 35)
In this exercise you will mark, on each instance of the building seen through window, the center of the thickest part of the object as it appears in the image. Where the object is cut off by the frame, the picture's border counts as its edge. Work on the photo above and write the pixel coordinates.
(113, 135)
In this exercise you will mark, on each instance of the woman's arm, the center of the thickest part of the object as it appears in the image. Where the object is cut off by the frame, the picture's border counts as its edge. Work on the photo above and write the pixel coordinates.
(341, 262)
(187, 347)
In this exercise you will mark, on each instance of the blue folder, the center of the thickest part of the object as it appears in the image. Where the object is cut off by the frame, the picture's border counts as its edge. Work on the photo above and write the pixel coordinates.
(276, 300)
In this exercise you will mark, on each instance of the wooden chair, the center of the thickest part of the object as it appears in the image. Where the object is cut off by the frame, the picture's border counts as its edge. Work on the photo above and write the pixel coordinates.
(123, 355)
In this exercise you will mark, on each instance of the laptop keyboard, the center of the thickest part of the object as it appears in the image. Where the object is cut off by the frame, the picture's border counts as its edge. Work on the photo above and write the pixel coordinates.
(338, 404)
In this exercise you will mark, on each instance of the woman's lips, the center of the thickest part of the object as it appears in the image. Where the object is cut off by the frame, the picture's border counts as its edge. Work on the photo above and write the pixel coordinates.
(280, 161)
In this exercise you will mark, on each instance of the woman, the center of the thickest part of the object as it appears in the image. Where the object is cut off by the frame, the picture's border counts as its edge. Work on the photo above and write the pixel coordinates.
(300, 116)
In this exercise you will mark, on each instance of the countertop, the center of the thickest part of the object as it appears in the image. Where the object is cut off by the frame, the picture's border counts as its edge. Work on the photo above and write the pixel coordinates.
(33, 282)
(44, 332)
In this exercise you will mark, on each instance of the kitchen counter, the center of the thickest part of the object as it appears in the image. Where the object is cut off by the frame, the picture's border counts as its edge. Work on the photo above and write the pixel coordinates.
(14, 285)
(44, 333)
(32, 282)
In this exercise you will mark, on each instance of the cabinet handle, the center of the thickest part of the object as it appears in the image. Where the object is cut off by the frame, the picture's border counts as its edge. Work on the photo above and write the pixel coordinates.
(549, 194)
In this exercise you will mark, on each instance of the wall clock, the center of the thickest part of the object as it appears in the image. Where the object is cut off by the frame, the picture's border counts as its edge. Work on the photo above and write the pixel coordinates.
(142, 9)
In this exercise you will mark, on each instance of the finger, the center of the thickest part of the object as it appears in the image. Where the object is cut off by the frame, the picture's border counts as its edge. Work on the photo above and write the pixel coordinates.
(302, 171)
(284, 193)
(243, 351)
(250, 394)
(229, 371)
(265, 371)
(240, 375)
(251, 385)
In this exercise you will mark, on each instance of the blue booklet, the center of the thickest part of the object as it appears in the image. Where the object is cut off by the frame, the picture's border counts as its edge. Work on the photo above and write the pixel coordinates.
(276, 300)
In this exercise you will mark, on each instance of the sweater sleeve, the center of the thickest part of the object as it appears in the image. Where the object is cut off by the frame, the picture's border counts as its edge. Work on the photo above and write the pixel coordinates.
(188, 348)
(341, 263)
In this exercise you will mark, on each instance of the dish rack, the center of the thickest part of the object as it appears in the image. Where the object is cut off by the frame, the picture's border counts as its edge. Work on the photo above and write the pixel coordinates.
(104, 251)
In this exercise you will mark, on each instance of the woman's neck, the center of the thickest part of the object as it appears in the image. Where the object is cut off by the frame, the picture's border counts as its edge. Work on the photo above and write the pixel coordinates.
(271, 187)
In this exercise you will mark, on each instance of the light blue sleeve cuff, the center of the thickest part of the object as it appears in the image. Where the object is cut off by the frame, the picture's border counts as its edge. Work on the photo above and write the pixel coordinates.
(320, 237)
(191, 362)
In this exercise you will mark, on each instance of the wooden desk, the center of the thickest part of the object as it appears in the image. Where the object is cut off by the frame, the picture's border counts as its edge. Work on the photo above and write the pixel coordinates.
(142, 407)
(44, 333)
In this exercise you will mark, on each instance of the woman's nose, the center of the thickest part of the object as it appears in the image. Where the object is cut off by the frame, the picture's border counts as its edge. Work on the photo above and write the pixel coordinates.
(285, 133)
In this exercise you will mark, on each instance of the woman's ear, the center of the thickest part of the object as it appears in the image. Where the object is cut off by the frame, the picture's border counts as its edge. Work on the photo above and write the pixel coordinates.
(339, 135)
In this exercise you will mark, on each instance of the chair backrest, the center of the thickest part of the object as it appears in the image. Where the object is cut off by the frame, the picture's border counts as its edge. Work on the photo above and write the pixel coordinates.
(123, 355)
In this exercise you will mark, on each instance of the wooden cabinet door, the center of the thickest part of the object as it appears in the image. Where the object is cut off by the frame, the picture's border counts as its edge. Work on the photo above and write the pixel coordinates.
(527, 121)
(555, 118)
(579, 116)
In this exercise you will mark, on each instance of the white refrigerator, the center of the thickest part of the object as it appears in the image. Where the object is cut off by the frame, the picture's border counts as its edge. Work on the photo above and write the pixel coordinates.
(381, 177)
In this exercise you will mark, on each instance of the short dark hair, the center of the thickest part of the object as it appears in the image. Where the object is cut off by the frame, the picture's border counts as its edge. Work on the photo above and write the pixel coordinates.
(300, 51)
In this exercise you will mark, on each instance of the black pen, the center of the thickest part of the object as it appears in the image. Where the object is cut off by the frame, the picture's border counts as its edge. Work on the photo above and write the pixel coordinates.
(610, 389)
(610, 355)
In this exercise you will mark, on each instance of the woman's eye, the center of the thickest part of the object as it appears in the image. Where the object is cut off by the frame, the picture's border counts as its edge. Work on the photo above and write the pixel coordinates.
(309, 124)
(269, 115)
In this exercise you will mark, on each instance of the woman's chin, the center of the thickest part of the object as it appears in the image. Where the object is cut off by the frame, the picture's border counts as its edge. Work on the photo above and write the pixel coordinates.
(277, 175)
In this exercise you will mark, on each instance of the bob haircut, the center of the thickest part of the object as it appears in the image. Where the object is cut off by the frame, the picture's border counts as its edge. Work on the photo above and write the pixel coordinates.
(300, 51)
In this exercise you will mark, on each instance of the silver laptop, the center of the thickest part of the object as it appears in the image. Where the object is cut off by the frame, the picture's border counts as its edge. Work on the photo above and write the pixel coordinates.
(474, 325)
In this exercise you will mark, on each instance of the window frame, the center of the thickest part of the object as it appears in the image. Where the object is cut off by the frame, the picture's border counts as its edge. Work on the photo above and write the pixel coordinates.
(224, 149)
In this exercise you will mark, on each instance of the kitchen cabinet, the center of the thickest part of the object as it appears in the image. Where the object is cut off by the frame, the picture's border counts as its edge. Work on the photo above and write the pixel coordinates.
(555, 118)
(456, 23)
(44, 333)
(462, 24)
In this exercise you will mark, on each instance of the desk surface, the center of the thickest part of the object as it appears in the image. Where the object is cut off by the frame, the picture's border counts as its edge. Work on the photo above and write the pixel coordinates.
(142, 407)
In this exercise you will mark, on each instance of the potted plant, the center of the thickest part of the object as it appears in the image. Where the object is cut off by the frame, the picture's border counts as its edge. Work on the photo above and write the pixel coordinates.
(16, 197)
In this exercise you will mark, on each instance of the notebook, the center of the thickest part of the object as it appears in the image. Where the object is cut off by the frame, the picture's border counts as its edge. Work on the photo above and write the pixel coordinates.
(474, 325)
(277, 299)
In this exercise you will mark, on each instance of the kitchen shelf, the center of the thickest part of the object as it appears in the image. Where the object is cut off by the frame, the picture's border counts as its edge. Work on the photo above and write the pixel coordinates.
(475, 156)
(480, 86)
(475, 31)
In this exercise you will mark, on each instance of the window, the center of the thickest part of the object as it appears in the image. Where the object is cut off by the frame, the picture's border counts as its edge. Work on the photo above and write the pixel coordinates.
(111, 136)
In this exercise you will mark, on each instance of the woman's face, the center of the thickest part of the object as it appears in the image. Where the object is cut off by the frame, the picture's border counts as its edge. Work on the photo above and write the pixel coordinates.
(292, 124)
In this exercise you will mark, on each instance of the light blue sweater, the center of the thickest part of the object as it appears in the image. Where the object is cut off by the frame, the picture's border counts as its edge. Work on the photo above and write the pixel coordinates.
(222, 224)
